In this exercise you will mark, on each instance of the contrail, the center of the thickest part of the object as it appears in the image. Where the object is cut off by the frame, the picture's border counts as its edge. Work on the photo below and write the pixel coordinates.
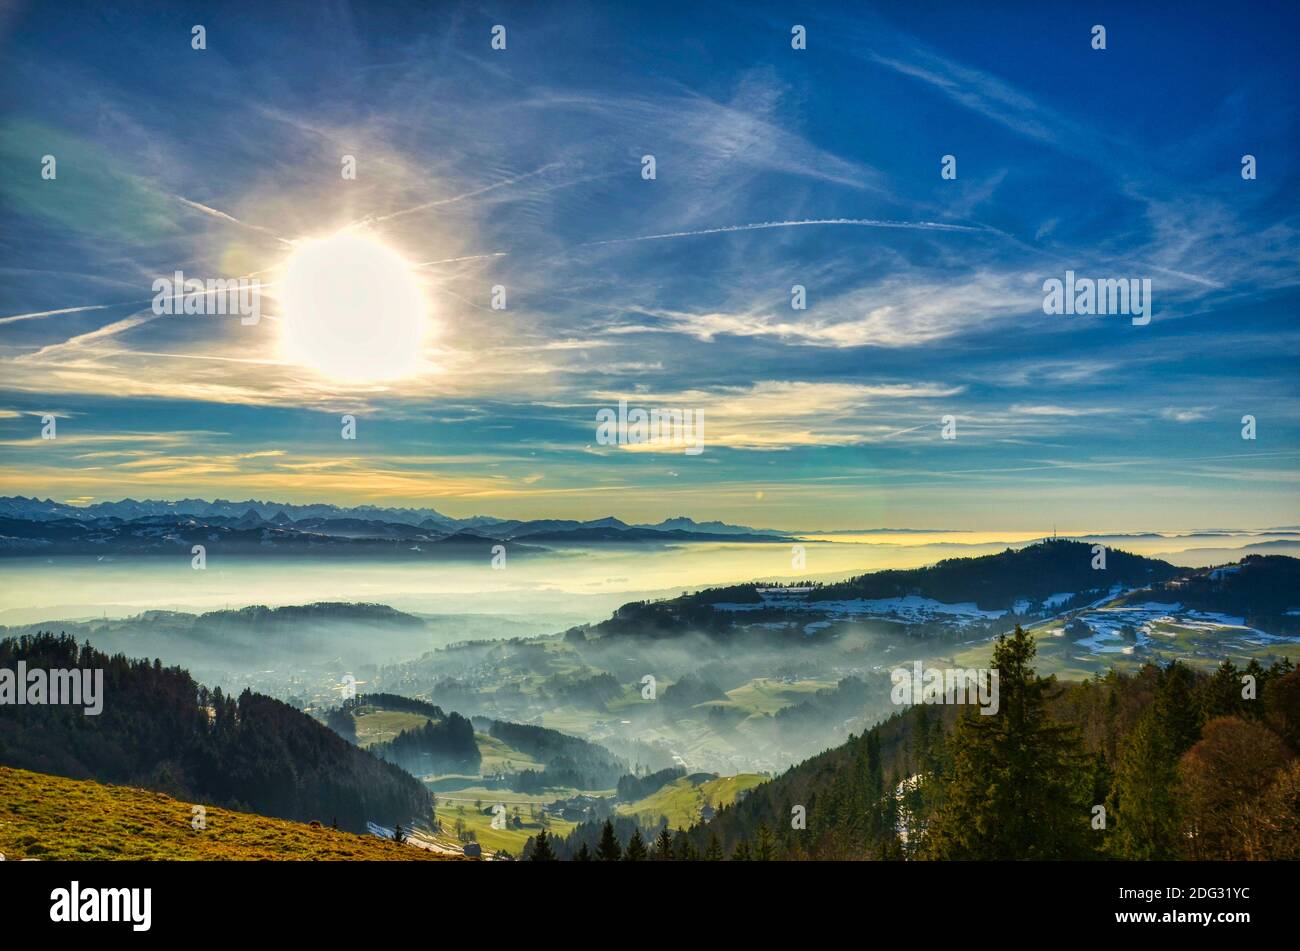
(78, 342)
(467, 257)
(67, 310)
(1196, 279)
(755, 226)
(762, 225)
(128, 303)
(216, 213)
(192, 356)
(374, 219)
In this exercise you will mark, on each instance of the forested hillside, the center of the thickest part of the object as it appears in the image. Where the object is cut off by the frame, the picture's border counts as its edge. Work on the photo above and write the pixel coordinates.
(1263, 590)
(161, 730)
(1181, 765)
(995, 583)
(1163, 764)
(570, 761)
(439, 746)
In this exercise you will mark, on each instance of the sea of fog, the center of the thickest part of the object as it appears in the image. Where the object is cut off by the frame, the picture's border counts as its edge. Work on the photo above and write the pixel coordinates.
(560, 588)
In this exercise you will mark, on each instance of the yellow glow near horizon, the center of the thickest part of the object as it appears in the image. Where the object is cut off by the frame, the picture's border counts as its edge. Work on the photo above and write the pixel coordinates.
(353, 309)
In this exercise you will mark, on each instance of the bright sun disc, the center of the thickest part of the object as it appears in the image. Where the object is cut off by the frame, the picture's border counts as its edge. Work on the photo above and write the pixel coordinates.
(352, 309)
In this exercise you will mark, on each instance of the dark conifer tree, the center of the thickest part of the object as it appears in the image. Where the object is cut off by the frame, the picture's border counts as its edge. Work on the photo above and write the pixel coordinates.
(1144, 800)
(608, 850)
(714, 852)
(1017, 790)
(542, 851)
(1253, 708)
(1176, 708)
(636, 851)
(664, 845)
(1221, 696)
(683, 848)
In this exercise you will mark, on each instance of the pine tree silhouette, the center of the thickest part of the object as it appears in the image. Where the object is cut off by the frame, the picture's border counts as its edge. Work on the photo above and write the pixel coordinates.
(636, 851)
(542, 851)
(608, 850)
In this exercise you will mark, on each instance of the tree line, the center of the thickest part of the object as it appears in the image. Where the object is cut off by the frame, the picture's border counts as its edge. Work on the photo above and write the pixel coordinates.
(161, 730)
(1163, 764)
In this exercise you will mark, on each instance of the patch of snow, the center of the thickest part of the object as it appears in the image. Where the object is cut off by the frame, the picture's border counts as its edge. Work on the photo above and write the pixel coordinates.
(1223, 620)
(1261, 639)
(1106, 633)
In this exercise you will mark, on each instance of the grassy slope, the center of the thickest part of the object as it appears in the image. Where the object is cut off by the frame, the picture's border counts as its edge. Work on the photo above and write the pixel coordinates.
(375, 725)
(762, 695)
(379, 726)
(512, 840)
(49, 817)
(497, 754)
(681, 799)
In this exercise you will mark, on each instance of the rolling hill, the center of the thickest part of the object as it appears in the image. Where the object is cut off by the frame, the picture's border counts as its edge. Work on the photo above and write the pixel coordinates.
(52, 818)
(1227, 758)
(160, 729)
(682, 800)
(431, 742)
(954, 598)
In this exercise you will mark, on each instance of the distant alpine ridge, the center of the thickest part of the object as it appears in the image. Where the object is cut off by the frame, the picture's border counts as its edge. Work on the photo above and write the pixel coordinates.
(44, 527)
(252, 511)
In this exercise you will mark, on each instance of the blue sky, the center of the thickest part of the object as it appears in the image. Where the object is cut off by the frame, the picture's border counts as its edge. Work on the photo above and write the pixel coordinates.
(522, 168)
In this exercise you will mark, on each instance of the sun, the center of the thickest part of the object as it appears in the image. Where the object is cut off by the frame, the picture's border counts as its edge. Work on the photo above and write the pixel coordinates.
(352, 309)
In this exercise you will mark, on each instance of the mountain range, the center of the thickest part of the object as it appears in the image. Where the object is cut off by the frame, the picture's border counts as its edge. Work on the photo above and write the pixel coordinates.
(253, 511)
(44, 528)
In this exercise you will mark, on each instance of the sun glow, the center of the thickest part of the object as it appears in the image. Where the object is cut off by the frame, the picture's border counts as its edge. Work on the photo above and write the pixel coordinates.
(353, 309)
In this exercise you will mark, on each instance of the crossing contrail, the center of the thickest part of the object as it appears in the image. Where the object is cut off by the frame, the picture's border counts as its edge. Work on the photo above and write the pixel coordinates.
(763, 225)
(437, 202)
(217, 213)
(467, 257)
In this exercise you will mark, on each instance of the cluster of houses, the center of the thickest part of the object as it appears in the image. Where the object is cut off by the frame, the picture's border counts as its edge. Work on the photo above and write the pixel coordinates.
(580, 808)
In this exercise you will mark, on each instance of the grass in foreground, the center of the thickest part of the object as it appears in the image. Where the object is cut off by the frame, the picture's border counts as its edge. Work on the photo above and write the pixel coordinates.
(53, 818)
